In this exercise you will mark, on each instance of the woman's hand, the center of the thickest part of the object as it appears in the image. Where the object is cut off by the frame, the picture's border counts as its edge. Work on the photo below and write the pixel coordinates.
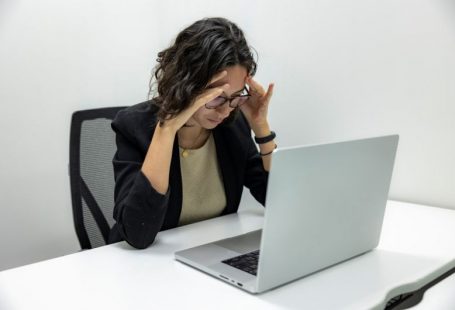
(257, 106)
(209, 94)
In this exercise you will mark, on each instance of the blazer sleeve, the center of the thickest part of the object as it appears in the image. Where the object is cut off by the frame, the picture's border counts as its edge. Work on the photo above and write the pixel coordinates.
(139, 209)
(256, 177)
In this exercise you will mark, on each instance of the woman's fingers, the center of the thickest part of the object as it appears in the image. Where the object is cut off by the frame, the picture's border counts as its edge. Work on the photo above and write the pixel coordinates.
(255, 87)
(217, 77)
(269, 92)
(210, 94)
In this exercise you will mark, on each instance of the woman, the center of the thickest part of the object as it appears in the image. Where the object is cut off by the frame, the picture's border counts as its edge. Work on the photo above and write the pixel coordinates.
(185, 155)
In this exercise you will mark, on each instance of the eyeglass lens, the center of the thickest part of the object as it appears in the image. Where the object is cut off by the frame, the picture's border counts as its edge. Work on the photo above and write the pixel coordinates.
(219, 101)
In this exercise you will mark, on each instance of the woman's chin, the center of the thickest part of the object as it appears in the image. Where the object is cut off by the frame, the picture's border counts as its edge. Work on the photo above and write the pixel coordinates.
(214, 122)
(210, 124)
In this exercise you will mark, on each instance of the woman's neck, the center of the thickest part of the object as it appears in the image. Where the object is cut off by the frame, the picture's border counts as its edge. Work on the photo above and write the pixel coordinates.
(192, 136)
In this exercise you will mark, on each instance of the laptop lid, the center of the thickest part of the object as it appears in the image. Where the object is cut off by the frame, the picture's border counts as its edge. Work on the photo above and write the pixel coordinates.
(325, 204)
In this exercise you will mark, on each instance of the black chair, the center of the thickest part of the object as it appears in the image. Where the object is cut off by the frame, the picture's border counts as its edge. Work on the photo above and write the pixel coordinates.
(92, 147)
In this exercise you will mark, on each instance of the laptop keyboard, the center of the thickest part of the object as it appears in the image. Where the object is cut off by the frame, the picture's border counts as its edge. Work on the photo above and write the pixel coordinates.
(247, 262)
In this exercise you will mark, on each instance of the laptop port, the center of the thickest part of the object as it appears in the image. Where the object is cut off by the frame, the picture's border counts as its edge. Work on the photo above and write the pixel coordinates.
(239, 284)
(223, 277)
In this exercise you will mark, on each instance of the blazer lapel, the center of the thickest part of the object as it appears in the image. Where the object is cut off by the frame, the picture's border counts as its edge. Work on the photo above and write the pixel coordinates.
(175, 182)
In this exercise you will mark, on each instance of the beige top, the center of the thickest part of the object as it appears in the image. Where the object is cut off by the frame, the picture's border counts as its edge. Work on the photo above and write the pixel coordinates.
(202, 187)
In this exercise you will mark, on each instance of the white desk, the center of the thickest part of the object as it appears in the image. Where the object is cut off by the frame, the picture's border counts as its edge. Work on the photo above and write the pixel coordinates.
(416, 247)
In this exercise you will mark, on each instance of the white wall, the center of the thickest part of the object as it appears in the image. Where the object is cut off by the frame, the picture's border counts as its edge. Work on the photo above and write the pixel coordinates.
(343, 69)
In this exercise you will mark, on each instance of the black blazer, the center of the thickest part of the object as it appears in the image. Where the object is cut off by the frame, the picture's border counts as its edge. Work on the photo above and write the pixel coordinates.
(140, 211)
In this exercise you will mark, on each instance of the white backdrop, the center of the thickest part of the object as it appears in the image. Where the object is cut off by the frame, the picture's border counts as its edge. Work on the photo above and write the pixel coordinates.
(342, 70)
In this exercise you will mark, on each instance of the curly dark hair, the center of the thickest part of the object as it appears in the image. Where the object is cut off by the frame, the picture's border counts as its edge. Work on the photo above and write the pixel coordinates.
(200, 51)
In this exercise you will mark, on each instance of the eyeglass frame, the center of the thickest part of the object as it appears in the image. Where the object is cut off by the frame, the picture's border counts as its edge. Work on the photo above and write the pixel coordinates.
(226, 99)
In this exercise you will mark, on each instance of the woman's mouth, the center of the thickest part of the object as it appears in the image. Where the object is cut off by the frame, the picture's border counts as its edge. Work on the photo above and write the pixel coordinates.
(215, 121)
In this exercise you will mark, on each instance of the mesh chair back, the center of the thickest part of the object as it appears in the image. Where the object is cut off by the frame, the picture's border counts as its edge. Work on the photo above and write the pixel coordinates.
(92, 147)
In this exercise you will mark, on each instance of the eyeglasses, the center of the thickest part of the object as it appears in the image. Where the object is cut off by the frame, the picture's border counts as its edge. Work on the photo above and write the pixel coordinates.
(234, 102)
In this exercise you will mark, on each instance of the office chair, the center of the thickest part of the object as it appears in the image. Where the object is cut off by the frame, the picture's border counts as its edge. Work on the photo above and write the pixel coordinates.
(92, 147)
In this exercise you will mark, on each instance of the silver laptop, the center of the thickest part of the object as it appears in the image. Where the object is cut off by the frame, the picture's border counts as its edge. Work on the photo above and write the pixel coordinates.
(325, 204)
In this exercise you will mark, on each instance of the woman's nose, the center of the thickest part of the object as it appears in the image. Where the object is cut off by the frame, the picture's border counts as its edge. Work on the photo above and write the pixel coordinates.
(224, 110)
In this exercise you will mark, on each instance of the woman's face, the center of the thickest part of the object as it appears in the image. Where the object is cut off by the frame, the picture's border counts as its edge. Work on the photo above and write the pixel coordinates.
(210, 118)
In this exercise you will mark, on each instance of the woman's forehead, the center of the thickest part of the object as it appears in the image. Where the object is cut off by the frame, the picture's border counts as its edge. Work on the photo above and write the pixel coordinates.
(236, 77)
